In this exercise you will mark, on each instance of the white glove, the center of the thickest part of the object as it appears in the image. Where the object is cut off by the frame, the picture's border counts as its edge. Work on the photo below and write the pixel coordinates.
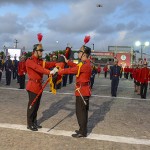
(54, 71)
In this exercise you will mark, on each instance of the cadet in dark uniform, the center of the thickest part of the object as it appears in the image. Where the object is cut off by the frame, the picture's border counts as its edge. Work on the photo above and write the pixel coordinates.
(15, 67)
(8, 69)
(114, 77)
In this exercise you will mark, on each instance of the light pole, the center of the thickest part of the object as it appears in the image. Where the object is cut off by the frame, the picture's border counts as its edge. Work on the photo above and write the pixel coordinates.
(16, 42)
(93, 46)
(4, 55)
(138, 43)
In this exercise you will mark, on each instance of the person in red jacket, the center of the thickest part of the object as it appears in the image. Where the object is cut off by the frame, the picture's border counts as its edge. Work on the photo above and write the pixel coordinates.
(36, 67)
(82, 92)
(144, 76)
(105, 69)
(22, 71)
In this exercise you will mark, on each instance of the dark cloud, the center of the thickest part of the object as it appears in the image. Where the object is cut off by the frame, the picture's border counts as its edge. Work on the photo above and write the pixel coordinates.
(10, 24)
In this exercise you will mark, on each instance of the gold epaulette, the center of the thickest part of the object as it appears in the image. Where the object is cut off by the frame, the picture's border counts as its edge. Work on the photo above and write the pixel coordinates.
(80, 64)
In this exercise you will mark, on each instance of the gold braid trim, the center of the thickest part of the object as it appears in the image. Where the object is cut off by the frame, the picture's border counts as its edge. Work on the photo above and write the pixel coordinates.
(52, 89)
(43, 64)
(80, 64)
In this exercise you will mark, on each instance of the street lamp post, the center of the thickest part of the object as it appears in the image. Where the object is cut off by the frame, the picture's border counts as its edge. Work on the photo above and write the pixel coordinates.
(16, 42)
(138, 43)
(93, 46)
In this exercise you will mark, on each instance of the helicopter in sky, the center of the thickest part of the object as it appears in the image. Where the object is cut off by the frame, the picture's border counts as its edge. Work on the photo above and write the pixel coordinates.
(99, 5)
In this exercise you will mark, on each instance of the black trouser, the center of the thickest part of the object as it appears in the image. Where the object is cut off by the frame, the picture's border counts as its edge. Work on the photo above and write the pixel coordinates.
(82, 113)
(92, 81)
(32, 113)
(121, 75)
(105, 74)
(65, 79)
(14, 73)
(127, 75)
(8, 77)
(143, 90)
(22, 82)
(131, 76)
(114, 86)
(70, 78)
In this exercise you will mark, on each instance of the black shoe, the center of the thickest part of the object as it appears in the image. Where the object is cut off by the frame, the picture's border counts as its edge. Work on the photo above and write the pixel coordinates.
(33, 128)
(78, 135)
(113, 95)
(77, 131)
(37, 126)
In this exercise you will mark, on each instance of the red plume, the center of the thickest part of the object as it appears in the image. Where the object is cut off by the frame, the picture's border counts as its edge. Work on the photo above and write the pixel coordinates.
(86, 39)
(67, 52)
(39, 36)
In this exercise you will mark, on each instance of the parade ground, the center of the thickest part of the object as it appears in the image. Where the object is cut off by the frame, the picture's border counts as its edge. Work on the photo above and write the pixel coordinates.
(115, 123)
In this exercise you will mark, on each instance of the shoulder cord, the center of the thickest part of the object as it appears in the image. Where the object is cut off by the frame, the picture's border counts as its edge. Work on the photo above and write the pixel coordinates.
(79, 65)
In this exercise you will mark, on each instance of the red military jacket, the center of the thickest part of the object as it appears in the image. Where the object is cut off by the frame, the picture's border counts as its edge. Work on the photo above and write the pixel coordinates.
(134, 73)
(144, 75)
(83, 80)
(105, 69)
(35, 70)
(99, 69)
(21, 68)
(138, 72)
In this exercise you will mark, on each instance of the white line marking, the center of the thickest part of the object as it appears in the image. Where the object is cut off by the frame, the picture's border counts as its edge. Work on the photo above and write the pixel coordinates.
(138, 99)
(99, 137)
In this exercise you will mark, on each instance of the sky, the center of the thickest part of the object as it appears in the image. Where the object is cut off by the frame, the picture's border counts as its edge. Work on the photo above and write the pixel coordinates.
(67, 22)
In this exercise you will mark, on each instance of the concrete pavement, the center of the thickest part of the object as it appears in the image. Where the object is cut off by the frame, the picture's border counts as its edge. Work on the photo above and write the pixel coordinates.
(120, 123)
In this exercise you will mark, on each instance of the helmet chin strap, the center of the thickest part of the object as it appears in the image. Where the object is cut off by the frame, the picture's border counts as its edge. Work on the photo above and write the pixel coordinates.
(37, 54)
(82, 55)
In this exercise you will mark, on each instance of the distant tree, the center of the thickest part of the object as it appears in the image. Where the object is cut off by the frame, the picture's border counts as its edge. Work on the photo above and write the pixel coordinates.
(28, 54)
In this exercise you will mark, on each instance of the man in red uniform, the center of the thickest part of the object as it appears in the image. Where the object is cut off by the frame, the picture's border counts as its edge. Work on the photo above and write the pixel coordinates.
(36, 67)
(105, 69)
(99, 70)
(22, 71)
(82, 92)
(144, 78)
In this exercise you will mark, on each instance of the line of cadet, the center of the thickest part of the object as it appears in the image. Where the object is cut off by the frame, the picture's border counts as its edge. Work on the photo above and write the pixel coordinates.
(14, 69)
(140, 73)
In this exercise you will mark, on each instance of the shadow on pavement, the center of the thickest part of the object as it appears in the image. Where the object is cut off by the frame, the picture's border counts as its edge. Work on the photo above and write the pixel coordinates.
(99, 114)
(54, 109)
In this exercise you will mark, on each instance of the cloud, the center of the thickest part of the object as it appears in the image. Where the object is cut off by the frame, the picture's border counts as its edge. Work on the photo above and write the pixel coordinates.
(68, 21)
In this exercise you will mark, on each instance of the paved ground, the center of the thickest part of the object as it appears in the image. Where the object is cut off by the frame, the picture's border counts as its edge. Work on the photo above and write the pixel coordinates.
(120, 123)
